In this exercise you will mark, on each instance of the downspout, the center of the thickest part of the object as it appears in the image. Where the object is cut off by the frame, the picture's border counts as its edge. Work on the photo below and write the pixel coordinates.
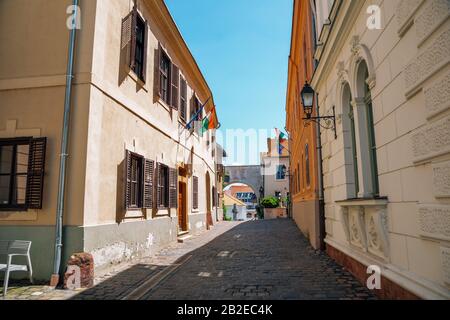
(321, 186)
(63, 156)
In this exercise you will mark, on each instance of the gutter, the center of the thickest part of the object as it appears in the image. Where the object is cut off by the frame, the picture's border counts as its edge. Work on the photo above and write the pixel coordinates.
(63, 155)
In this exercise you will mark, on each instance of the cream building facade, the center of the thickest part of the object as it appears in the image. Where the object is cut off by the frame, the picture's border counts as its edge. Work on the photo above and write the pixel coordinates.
(387, 175)
(275, 170)
(136, 176)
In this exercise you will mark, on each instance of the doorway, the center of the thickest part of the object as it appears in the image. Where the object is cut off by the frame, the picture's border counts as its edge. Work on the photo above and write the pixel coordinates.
(182, 208)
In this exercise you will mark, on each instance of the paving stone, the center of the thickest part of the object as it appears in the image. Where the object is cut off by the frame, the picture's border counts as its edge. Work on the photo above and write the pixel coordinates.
(273, 260)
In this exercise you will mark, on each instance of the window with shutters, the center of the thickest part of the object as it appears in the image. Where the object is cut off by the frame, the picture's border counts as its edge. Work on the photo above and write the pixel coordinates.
(164, 77)
(194, 193)
(183, 99)
(163, 186)
(22, 164)
(139, 50)
(139, 182)
(135, 181)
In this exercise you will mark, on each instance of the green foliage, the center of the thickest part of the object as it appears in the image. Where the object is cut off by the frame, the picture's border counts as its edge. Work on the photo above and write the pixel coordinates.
(270, 202)
(225, 216)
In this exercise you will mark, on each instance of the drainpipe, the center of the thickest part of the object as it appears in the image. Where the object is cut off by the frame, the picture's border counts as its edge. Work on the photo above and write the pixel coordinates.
(63, 156)
(321, 186)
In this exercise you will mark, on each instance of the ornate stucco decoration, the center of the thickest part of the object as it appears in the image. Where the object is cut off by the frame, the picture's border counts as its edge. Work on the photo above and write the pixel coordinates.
(361, 52)
(365, 225)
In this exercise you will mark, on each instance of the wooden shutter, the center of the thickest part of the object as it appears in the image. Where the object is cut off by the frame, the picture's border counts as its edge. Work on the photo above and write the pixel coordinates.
(195, 193)
(133, 37)
(158, 185)
(126, 30)
(35, 176)
(144, 61)
(175, 79)
(157, 73)
(183, 94)
(214, 204)
(149, 169)
(173, 181)
(127, 180)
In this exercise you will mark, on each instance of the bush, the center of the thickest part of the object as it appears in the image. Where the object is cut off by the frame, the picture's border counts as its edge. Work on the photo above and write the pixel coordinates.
(270, 202)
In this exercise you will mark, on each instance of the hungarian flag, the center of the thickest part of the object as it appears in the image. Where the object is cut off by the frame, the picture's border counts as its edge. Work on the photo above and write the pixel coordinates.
(210, 121)
(281, 138)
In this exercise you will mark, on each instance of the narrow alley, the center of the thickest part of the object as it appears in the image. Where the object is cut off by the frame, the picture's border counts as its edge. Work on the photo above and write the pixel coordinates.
(264, 259)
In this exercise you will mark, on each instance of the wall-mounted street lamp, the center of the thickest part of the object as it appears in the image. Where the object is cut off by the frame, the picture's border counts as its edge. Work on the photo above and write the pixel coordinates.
(307, 96)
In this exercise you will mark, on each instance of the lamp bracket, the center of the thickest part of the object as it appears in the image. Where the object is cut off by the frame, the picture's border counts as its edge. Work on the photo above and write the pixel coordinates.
(326, 119)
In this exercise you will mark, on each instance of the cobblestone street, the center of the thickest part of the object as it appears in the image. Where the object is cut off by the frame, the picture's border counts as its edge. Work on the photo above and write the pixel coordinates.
(267, 259)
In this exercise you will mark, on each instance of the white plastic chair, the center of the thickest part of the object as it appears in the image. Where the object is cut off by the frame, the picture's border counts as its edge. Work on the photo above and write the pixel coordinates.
(10, 249)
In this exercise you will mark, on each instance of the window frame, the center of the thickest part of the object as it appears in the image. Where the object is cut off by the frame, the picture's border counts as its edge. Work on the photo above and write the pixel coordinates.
(139, 182)
(14, 142)
(142, 59)
(35, 173)
(279, 176)
(163, 185)
(164, 57)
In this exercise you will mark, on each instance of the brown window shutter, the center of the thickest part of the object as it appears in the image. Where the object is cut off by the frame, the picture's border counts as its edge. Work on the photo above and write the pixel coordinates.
(144, 63)
(158, 185)
(183, 95)
(175, 86)
(195, 193)
(36, 169)
(133, 37)
(157, 73)
(214, 197)
(149, 169)
(128, 180)
(126, 32)
(173, 181)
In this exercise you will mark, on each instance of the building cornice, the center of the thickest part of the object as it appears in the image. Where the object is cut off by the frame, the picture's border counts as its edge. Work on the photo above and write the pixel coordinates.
(342, 20)
(167, 26)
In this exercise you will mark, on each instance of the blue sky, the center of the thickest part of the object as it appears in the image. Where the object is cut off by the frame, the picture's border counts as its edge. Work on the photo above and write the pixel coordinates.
(242, 48)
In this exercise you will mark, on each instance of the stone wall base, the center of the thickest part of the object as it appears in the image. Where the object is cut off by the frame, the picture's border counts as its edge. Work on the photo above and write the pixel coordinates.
(389, 289)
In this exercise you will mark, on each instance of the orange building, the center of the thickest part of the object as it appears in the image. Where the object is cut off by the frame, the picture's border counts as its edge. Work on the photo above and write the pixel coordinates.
(305, 183)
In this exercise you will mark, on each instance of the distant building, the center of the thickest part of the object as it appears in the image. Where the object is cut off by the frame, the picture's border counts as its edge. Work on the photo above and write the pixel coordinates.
(275, 170)
(236, 209)
(242, 193)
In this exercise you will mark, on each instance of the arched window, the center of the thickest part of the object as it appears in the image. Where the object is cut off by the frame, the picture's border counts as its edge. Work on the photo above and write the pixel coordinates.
(366, 134)
(307, 170)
